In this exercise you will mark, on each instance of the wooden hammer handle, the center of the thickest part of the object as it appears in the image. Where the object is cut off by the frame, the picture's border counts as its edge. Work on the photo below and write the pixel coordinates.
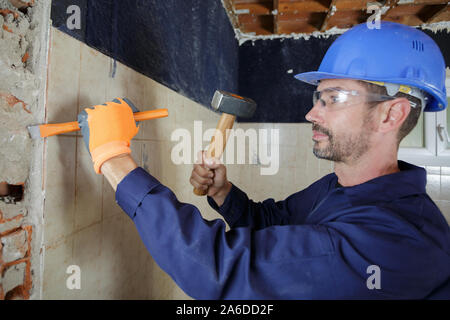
(218, 142)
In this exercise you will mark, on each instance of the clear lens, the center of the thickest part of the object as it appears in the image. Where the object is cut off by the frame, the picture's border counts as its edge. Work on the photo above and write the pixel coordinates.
(336, 98)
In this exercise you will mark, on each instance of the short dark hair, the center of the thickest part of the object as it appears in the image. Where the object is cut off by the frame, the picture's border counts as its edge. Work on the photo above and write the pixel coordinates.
(413, 116)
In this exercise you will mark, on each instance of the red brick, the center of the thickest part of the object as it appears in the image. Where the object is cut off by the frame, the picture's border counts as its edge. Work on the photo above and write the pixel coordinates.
(13, 276)
(18, 293)
(10, 224)
(12, 210)
(21, 4)
(15, 246)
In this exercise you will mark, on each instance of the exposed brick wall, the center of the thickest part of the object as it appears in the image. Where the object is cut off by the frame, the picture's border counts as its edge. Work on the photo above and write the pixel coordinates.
(15, 255)
(15, 234)
(23, 58)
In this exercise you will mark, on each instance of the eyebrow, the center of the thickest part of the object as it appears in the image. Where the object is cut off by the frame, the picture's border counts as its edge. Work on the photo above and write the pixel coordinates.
(338, 88)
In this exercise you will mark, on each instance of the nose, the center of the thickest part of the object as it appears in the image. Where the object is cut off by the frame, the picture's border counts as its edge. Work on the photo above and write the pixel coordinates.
(315, 114)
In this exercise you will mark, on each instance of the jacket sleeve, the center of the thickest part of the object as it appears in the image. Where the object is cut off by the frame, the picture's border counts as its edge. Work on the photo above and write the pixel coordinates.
(277, 262)
(239, 211)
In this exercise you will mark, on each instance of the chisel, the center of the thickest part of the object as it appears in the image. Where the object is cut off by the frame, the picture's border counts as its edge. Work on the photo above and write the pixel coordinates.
(47, 130)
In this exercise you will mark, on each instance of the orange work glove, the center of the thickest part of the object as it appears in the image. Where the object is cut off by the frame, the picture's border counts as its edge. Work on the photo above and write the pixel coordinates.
(107, 130)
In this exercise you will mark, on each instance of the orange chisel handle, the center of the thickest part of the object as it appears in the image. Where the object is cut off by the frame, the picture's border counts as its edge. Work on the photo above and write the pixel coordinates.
(48, 130)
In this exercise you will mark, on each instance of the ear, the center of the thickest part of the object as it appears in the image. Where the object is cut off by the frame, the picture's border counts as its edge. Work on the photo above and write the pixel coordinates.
(394, 113)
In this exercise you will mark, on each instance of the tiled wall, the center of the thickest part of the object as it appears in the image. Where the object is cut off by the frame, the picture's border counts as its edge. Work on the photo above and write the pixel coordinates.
(83, 224)
(438, 188)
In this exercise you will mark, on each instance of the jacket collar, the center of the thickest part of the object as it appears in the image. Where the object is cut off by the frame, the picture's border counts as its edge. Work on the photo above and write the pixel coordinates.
(408, 181)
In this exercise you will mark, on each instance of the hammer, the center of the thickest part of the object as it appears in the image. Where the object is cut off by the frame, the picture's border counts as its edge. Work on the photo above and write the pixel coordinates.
(231, 106)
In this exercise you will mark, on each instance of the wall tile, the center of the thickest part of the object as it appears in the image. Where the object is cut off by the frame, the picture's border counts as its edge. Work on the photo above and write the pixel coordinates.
(289, 133)
(136, 151)
(302, 150)
(312, 166)
(170, 171)
(63, 81)
(444, 206)
(445, 188)
(117, 87)
(94, 74)
(59, 203)
(445, 171)
(325, 167)
(433, 185)
(86, 250)
(58, 257)
(288, 156)
(433, 170)
(89, 186)
(112, 254)
(136, 89)
(152, 157)
(301, 181)
(288, 183)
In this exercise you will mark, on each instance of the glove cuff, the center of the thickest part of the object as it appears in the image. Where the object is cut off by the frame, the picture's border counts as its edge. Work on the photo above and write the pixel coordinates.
(107, 151)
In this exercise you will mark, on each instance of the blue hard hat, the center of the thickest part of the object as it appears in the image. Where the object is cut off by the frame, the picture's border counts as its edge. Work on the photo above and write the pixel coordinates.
(394, 53)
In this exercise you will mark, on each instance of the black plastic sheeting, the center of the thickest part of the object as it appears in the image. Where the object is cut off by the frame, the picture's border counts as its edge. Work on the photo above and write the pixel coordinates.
(267, 71)
(190, 47)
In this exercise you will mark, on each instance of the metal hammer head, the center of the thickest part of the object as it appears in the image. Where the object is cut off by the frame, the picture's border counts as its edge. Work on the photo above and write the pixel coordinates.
(230, 103)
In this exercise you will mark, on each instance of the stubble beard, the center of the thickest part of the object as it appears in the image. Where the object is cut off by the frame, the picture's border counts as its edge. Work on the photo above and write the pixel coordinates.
(345, 147)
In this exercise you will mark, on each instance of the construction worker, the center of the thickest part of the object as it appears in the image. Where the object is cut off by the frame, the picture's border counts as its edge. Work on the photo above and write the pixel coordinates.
(367, 231)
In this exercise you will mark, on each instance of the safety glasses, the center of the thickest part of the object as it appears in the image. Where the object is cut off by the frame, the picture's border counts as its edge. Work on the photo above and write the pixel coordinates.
(337, 98)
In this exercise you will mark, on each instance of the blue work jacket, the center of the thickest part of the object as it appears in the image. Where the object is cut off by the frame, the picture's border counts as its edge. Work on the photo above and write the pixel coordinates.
(382, 239)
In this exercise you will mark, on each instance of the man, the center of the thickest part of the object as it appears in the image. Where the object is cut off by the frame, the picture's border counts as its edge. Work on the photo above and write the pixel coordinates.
(366, 231)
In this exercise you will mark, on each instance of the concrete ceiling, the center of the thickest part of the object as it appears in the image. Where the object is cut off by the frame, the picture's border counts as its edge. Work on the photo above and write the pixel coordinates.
(278, 17)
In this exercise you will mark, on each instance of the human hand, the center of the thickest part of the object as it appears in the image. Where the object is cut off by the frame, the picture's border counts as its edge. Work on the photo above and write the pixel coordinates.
(211, 175)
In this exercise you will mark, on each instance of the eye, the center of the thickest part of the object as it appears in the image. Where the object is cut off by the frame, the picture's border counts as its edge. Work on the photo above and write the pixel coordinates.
(340, 97)
(334, 99)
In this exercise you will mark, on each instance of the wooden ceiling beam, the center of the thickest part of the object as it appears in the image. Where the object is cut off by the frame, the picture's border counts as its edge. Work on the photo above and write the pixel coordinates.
(440, 15)
(276, 11)
(294, 7)
(228, 4)
(405, 10)
(352, 4)
(331, 11)
(305, 22)
(429, 2)
(264, 8)
(249, 1)
(391, 4)
(305, 16)
(260, 25)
